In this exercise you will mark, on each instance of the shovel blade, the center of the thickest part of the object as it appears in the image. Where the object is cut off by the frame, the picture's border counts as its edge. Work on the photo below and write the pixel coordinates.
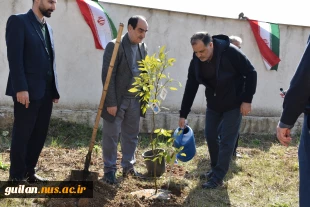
(82, 175)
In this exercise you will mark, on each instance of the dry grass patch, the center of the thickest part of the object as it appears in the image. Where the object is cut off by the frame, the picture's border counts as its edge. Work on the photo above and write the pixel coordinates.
(266, 175)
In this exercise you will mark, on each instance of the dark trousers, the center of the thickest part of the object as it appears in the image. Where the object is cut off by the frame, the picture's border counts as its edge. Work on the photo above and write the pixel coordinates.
(126, 123)
(236, 145)
(304, 164)
(29, 134)
(237, 141)
(221, 152)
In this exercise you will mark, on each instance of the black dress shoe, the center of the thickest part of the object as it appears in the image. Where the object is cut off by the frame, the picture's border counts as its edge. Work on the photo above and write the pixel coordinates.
(206, 176)
(17, 179)
(133, 173)
(110, 178)
(212, 184)
(35, 178)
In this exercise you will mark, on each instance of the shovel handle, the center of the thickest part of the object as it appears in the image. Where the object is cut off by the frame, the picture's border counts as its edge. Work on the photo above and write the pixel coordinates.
(105, 88)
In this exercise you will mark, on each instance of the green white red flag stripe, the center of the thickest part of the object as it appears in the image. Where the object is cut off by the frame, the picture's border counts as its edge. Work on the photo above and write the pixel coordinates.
(99, 22)
(267, 36)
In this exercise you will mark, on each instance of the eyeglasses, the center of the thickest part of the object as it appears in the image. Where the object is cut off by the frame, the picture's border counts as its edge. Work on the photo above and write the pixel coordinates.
(142, 30)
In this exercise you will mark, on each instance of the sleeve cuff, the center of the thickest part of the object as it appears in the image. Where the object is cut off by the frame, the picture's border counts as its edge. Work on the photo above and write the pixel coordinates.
(183, 114)
(247, 99)
(282, 125)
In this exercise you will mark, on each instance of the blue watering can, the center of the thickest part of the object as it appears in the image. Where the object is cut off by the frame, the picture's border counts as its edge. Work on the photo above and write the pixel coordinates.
(185, 137)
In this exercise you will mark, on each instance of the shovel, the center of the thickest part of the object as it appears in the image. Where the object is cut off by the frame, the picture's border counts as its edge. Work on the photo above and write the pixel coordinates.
(86, 175)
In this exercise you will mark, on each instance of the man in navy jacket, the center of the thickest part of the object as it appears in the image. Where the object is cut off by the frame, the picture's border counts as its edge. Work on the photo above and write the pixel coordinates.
(230, 81)
(296, 101)
(32, 83)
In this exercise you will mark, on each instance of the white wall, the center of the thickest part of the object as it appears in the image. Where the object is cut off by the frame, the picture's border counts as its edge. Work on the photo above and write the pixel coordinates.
(79, 63)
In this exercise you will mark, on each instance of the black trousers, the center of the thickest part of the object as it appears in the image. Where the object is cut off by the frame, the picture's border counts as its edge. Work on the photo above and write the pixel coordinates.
(236, 145)
(237, 142)
(221, 151)
(29, 134)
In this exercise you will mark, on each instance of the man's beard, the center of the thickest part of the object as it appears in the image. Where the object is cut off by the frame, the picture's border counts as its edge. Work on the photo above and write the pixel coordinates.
(45, 12)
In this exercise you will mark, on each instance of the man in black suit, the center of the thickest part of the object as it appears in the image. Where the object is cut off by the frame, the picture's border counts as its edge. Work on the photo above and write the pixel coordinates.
(32, 83)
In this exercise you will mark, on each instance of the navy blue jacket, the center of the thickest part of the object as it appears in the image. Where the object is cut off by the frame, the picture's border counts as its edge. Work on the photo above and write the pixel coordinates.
(28, 56)
(235, 76)
(297, 98)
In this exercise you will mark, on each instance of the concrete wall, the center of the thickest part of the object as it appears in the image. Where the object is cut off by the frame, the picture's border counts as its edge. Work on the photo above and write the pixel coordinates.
(79, 63)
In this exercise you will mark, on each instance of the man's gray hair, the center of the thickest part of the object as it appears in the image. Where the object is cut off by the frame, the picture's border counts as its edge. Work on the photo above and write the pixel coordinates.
(235, 38)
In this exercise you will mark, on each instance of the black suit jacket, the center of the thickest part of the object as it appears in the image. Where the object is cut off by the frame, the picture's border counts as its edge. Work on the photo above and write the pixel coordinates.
(28, 56)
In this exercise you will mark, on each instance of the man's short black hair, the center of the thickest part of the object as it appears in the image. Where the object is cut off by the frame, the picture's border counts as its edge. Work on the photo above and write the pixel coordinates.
(133, 21)
(205, 37)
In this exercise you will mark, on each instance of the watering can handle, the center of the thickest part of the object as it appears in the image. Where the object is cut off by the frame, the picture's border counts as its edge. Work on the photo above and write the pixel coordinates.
(180, 131)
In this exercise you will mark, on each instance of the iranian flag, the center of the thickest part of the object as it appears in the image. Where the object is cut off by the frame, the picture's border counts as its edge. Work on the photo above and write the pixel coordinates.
(99, 22)
(267, 36)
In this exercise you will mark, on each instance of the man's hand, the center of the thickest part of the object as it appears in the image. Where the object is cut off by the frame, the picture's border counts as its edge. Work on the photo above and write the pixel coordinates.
(55, 100)
(112, 110)
(284, 135)
(23, 98)
(182, 123)
(245, 108)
